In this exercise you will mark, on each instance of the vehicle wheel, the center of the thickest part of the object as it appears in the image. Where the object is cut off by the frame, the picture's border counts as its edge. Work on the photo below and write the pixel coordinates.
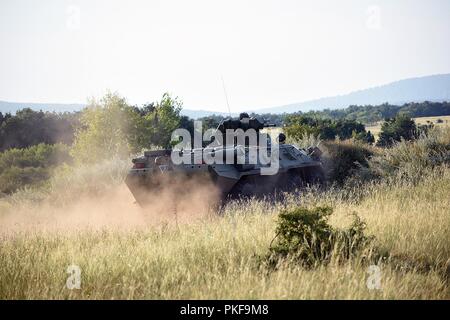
(316, 176)
(244, 188)
(295, 180)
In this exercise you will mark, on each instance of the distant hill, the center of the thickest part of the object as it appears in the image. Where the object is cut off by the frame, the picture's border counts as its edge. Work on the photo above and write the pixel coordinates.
(13, 107)
(195, 114)
(430, 88)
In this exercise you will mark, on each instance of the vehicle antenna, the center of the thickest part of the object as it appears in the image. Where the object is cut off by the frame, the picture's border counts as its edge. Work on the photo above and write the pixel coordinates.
(226, 96)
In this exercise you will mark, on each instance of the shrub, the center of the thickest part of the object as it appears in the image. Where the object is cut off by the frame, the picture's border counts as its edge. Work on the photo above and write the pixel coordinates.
(366, 137)
(299, 125)
(30, 166)
(87, 179)
(15, 178)
(305, 236)
(67, 183)
(410, 159)
(396, 129)
(341, 159)
(344, 158)
(306, 141)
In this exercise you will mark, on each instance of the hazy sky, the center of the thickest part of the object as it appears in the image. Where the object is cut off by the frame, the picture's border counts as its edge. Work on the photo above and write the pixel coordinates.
(269, 53)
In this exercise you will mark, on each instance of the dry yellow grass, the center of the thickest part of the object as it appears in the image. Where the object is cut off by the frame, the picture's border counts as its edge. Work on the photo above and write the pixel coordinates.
(217, 256)
(425, 120)
(375, 129)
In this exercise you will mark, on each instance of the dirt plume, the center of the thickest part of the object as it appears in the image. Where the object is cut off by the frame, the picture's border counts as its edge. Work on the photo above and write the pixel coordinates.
(115, 209)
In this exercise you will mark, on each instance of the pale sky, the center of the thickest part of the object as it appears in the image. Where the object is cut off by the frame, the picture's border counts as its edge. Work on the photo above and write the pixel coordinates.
(269, 53)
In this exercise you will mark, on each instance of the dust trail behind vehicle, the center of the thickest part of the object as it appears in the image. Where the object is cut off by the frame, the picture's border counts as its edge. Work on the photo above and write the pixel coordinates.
(112, 208)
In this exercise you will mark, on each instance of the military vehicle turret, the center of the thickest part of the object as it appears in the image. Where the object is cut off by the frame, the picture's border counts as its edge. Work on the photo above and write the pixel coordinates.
(244, 167)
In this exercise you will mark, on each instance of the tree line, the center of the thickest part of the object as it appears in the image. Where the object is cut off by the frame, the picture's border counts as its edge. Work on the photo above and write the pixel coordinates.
(28, 127)
(297, 126)
(151, 124)
(33, 143)
(370, 114)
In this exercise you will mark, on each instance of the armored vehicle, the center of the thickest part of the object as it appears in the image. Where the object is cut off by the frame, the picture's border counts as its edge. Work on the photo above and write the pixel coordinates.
(233, 179)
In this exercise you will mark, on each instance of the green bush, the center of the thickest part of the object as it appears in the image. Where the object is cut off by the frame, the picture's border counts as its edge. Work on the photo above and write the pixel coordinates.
(305, 237)
(86, 179)
(111, 128)
(299, 125)
(366, 137)
(30, 166)
(402, 127)
(15, 178)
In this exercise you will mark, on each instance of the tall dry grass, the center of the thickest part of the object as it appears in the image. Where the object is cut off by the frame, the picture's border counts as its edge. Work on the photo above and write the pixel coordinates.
(218, 256)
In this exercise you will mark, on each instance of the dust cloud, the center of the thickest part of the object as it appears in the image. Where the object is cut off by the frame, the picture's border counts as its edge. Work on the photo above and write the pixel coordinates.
(116, 209)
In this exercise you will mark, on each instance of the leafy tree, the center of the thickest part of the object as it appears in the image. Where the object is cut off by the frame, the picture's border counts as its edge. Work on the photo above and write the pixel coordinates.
(345, 128)
(28, 127)
(211, 121)
(299, 125)
(156, 122)
(188, 124)
(163, 119)
(109, 127)
(396, 129)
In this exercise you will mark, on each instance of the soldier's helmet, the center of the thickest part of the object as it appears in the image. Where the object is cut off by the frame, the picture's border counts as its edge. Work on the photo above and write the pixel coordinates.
(243, 115)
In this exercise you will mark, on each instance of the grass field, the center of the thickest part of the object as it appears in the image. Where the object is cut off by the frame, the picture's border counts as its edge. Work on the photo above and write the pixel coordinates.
(125, 252)
(375, 129)
(217, 256)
